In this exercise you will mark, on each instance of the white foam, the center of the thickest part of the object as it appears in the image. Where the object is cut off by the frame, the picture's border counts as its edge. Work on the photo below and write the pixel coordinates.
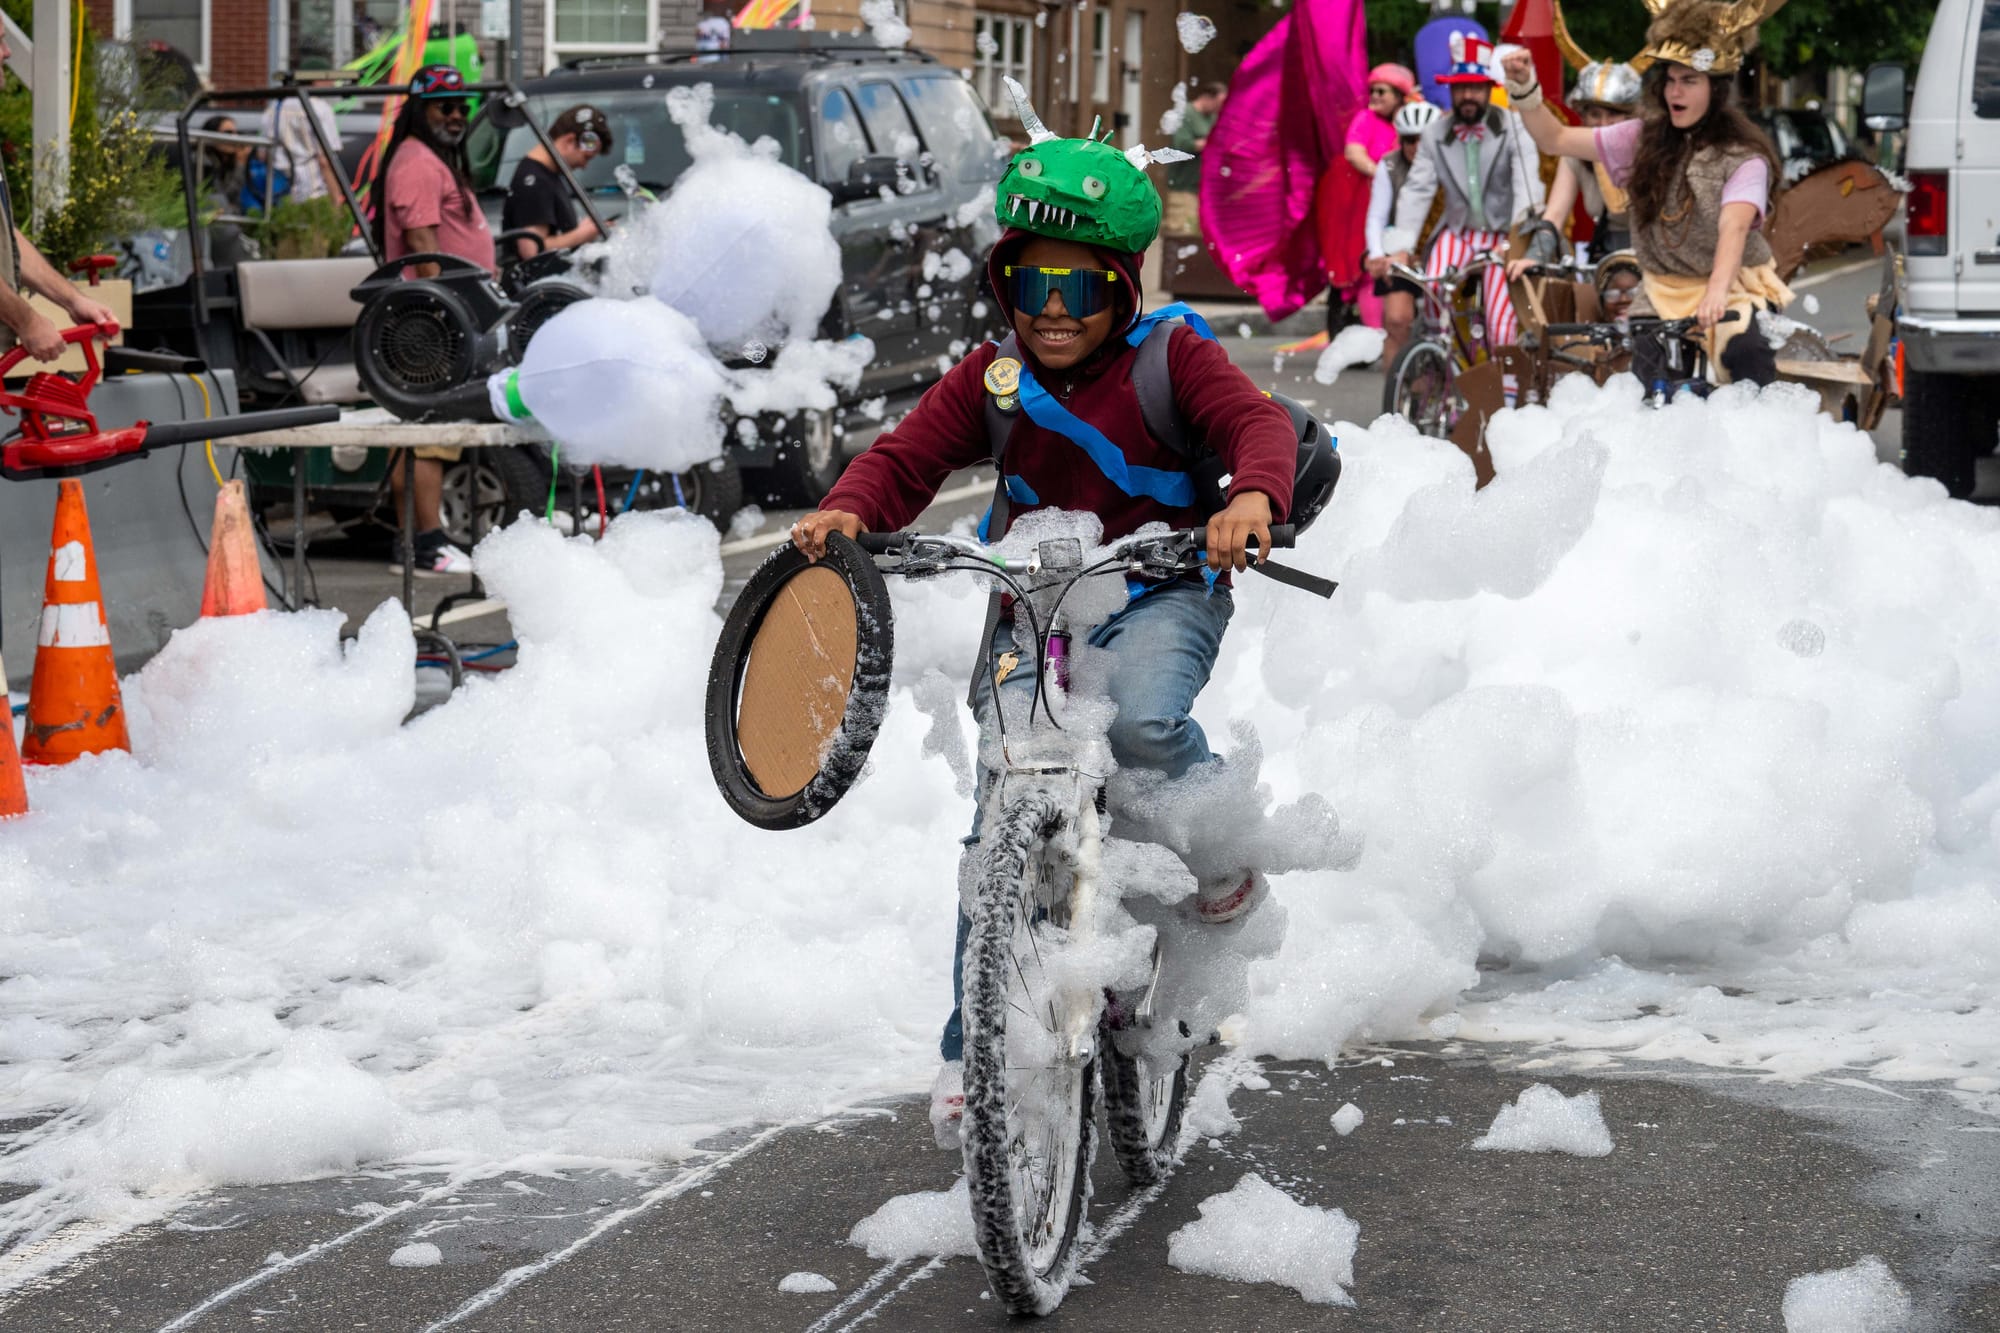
(1563, 721)
(417, 1254)
(928, 1222)
(1541, 1119)
(1862, 1298)
(1258, 1233)
(806, 1284)
(1195, 31)
(1355, 345)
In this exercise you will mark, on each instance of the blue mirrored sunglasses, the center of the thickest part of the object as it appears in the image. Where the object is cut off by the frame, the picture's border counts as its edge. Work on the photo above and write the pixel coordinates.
(1084, 291)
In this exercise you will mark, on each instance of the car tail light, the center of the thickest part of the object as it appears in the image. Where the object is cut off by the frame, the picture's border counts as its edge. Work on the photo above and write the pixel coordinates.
(1930, 213)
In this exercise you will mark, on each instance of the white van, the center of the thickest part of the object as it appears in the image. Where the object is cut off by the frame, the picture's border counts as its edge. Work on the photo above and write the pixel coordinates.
(1951, 305)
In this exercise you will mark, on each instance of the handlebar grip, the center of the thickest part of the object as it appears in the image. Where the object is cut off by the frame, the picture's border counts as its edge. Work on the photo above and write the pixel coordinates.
(163, 433)
(880, 543)
(1283, 535)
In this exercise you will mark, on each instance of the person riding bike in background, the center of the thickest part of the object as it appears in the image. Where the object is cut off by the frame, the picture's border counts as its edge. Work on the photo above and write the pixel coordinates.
(1482, 160)
(1066, 269)
(1699, 175)
(1399, 294)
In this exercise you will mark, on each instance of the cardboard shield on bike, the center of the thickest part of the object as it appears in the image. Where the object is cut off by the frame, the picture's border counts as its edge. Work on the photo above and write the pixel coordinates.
(798, 684)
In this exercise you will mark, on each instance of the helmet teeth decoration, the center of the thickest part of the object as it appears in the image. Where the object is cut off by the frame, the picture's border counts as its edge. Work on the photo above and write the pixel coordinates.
(1079, 190)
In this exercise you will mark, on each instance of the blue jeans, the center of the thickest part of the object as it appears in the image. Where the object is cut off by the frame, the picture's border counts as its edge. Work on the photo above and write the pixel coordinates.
(1165, 644)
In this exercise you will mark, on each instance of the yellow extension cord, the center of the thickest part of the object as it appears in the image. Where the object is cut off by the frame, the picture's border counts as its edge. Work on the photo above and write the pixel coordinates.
(209, 445)
(76, 63)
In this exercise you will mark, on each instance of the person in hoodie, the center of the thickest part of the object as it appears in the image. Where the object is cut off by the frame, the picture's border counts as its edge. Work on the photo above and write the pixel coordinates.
(1078, 215)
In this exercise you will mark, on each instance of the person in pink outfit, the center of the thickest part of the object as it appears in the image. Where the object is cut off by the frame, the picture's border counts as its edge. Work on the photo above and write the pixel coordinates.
(1371, 136)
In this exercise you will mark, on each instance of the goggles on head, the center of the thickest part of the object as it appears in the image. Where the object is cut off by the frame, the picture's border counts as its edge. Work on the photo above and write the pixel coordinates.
(1084, 291)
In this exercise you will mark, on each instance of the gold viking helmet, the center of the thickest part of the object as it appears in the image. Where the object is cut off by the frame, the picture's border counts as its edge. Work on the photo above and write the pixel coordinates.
(1711, 36)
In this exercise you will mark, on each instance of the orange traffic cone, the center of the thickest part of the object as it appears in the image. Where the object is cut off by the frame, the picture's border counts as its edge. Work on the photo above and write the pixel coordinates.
(235, 583)
(13, 784)
(73, 704)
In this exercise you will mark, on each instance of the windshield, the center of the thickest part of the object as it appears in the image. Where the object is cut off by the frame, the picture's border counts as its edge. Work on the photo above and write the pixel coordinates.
(644, 137)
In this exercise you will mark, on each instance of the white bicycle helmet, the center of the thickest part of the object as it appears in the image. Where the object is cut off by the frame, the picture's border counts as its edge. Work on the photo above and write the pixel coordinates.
(1412, 118)
(1607, 83)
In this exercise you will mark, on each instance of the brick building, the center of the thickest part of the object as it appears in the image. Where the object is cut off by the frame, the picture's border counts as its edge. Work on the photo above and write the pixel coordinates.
(1118, 59)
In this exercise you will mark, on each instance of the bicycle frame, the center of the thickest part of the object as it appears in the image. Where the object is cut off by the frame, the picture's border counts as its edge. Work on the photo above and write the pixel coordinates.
(1442, 314)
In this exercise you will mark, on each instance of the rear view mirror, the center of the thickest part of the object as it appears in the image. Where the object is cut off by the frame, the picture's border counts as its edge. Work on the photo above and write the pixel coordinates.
(866, 179)
(1884, 97)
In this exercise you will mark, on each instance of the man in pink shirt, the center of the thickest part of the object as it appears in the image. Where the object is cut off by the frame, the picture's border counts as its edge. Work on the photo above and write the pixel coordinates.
(428, 206)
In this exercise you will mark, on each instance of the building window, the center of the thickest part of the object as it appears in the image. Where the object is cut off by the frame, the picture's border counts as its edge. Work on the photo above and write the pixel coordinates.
(1100, 55)
(181, 24)
(594, 27)
(1003, 46)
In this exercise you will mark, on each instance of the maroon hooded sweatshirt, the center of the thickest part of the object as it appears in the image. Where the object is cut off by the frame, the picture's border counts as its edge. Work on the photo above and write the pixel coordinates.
(890, 484)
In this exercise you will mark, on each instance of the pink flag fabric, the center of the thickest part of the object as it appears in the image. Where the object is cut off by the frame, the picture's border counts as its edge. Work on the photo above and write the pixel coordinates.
(1283, 125)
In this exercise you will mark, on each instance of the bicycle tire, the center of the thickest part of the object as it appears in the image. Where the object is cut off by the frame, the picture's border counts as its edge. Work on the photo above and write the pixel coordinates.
(1401, 387)
(1022, 1133)
(1143, 1109)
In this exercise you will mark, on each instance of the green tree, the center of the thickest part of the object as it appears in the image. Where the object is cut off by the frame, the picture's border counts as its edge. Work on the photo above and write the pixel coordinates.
(1804, 37)
(1814, 36)
(118, 181)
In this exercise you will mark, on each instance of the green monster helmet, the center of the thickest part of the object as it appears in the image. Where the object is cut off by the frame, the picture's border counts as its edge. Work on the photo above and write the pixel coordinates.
(1080, 189)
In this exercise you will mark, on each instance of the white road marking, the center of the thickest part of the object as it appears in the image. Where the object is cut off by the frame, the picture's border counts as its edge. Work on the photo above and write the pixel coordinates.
(306, 1256)
(937, 1262)
(680, 1185)
(470, 611)
(1815, 279)
(860, 1293)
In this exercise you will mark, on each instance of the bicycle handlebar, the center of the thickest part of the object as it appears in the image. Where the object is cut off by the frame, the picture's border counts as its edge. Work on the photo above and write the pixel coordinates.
(1283, 535)
(1670, 327)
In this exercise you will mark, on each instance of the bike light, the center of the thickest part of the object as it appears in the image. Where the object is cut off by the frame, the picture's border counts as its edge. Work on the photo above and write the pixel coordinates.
(1929, 216)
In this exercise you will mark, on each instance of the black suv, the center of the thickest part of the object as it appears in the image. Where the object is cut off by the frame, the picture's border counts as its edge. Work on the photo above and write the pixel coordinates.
(904, 145)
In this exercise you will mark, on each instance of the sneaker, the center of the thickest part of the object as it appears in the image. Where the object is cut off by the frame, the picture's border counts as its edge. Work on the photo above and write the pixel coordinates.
(1230, 897)
(948, 1105)
(445, 559)
(435, 555)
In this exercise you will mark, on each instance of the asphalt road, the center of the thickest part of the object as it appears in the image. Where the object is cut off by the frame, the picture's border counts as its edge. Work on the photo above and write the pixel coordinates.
(1719, 1192)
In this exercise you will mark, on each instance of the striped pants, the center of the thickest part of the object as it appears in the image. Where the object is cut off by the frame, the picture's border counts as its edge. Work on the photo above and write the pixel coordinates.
(1453, 248)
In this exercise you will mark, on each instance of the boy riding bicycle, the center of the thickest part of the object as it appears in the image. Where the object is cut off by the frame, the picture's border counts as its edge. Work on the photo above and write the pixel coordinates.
(1078, 216)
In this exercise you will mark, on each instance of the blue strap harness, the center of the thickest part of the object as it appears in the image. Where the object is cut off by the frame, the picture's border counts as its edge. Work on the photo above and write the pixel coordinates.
(1171, 488)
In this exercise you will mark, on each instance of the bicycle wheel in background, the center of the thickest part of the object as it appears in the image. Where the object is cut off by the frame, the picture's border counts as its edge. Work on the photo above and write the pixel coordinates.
(1029, 1129)
(1145, 1096)
(1418, 387)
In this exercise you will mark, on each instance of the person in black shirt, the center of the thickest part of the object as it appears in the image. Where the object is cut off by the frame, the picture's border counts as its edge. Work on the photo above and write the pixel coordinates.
(539, 200)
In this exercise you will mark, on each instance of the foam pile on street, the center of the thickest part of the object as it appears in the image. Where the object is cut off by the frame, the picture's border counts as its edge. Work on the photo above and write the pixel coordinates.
(1541, 1119)
(1863, 1298)
(928, 1222)
(737, 260)
(1685, 700)
(1258, 1233)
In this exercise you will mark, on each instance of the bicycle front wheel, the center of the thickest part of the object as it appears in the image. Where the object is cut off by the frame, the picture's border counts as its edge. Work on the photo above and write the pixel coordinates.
(1145, 1098)
(1418, 388)
(1029, 1080)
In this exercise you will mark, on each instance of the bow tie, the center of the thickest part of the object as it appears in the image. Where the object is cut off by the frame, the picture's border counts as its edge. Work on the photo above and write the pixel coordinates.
(1465, 132)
